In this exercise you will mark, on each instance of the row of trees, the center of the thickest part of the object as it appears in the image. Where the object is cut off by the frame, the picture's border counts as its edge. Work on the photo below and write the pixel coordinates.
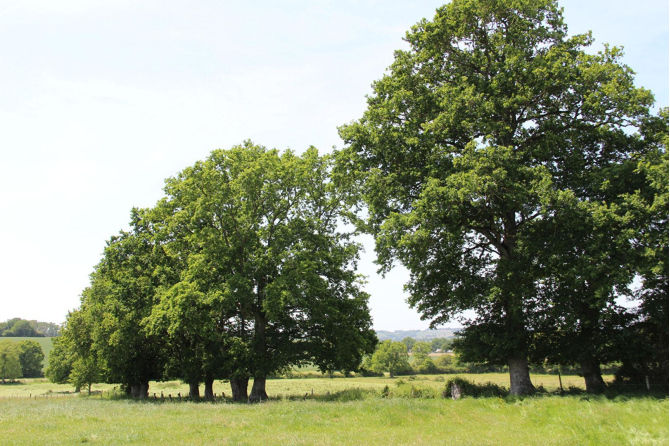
(436, 344)
(21, 359)
(519, 177)
(18, 327)
(392, 357)
(244, 269)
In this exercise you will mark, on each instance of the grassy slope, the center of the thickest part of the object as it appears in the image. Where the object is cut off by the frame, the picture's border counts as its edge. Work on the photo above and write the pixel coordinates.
(45, 343)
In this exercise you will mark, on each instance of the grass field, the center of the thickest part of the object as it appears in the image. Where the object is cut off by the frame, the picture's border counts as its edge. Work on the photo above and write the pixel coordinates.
(45, 343)
(289, 388)
(341, 411)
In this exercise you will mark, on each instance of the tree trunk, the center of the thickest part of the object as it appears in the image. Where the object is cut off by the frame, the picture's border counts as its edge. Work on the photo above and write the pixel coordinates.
(194, 389)
(519, 376)
(258, 390)
(89, 388)
(592, 376)
(239, 388)
(209, 388)
(144, 390)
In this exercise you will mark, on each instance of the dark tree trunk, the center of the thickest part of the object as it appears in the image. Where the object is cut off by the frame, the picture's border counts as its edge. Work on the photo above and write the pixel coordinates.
(135, 390)
(258, 390)
(194, 389)
(239, 388)
(519, 376)
(89, 388)
(592, 376)
(144, 390)
(209, 388)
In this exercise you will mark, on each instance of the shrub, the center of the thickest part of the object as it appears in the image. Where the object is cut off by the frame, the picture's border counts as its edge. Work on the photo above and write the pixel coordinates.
(469, 388)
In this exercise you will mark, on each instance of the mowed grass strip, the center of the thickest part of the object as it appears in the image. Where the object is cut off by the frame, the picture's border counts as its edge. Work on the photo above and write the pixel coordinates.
(372, 420)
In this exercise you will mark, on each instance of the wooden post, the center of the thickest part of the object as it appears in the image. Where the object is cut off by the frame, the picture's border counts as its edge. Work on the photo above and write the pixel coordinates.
(560, 381)
(646, 379)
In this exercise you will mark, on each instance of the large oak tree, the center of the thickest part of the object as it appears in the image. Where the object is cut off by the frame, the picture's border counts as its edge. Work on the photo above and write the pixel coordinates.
(270, 280)
(484, 129)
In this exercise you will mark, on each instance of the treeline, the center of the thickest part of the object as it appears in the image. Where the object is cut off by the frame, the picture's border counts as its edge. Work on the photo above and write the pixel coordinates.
(389, 357)
(18, 327)
(244, 269)
(521, 179)
(21, 359)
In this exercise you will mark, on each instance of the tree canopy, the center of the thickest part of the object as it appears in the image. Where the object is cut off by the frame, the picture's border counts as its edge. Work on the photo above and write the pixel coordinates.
(244, 269)
(10, 363)
(493, 126)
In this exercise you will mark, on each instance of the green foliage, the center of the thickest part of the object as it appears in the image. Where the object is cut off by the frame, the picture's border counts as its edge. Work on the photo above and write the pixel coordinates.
(60, 361)
(18, 328)
(443, 344)
(474, 390)
(421, 350)
(31, 357)
(409, 342)
(392, 357)
(646, 349)
(268, 276)
(244, 269)
(492, 127)
(85, 372)
(422, 362)
(10, 363)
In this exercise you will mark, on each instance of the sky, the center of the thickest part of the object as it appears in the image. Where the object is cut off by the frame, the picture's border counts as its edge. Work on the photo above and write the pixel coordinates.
(102, 101)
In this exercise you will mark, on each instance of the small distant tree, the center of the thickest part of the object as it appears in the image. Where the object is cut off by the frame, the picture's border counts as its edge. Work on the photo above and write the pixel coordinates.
(422, 362)
(85, 371)
(391, 356)
(440, 344)
(47, 329)
(31, 357)
(10, 365)
(409, 342)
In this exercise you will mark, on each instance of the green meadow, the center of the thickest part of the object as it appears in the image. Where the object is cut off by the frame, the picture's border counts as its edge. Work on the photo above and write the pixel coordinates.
(331, 411)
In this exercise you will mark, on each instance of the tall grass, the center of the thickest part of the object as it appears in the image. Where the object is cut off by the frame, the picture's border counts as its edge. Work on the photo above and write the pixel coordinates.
(360, 417)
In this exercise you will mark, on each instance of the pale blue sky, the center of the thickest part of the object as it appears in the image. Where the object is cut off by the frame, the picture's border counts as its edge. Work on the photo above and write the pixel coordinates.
(104, 100)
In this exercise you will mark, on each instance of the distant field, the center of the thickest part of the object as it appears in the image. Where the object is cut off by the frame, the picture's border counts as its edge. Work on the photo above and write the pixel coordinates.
(288, 388)
(45, 343)
(341, 411)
